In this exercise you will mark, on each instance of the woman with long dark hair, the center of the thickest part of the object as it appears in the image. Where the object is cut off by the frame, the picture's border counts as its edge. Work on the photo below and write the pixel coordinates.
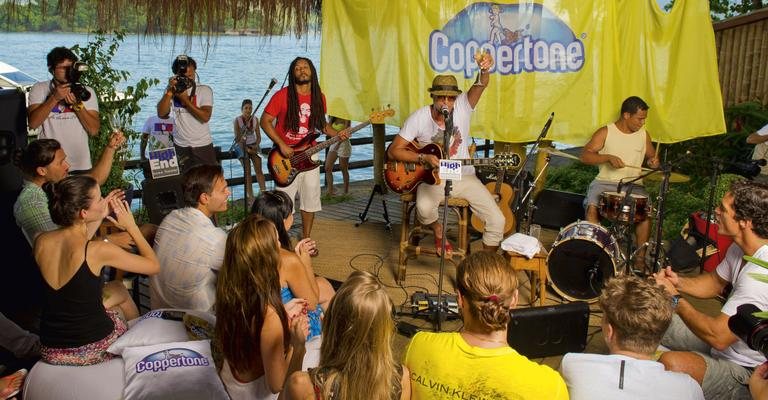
(76, 328)
(252, 327)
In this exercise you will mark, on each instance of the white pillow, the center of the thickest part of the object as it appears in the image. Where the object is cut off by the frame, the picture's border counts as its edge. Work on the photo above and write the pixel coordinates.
(154, 327)
(178, 370)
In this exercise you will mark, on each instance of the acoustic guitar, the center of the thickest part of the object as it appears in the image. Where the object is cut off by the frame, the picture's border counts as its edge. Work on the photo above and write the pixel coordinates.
(403, 177)
(503, 194)
(285, 169)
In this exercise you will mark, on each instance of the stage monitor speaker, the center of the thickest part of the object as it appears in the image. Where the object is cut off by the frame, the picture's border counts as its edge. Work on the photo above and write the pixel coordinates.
(538, 332)
(556, 209)
(13, 135)
(161, 196)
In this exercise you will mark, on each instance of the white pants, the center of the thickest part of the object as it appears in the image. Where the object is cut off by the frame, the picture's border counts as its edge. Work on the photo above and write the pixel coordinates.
(481, 202)
(307, 185)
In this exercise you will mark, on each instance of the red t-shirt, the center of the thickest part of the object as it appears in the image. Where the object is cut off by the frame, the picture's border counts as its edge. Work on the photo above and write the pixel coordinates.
(278, 108)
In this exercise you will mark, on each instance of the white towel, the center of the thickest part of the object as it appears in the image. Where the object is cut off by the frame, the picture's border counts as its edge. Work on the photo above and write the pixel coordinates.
(521, 243)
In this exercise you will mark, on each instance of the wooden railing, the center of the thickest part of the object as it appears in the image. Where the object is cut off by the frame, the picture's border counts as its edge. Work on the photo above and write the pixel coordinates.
(239, 181)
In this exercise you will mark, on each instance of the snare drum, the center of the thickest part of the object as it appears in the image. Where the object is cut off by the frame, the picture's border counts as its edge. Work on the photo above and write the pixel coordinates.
(612, 207)
(582, 258)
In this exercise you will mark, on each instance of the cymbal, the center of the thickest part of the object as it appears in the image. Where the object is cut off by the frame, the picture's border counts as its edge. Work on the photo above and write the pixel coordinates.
(674, 177)
(560, 153)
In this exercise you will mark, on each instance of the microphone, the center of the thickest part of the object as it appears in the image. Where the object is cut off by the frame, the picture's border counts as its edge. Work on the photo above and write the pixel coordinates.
(546, 126)
(272, 83)
(444, 111)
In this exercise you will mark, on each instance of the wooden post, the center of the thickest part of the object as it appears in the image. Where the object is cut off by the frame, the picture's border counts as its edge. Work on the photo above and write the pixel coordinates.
(379, 156)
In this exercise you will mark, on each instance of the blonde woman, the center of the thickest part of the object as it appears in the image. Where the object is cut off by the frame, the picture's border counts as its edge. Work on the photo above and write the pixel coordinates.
(77, 324)
(262, 344)
(477, 362)
(356, 360)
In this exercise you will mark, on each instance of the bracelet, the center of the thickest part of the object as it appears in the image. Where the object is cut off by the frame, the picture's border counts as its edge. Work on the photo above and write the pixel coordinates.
(78, 106)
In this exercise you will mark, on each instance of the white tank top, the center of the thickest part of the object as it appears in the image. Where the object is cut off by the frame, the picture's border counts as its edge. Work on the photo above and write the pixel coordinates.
(630, 147)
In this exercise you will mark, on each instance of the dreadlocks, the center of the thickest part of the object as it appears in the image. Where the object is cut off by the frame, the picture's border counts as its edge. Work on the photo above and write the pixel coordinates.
(317, 113)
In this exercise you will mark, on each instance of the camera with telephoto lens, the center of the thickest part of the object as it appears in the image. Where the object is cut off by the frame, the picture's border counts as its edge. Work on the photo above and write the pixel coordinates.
(74, 72)
(752, 330)
(179, 68)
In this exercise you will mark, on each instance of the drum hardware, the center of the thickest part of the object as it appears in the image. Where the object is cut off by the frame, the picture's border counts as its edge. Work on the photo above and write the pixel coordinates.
(519, 203)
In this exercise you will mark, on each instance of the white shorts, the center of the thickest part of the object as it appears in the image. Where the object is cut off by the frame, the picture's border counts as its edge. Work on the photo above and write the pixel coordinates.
(307, 185)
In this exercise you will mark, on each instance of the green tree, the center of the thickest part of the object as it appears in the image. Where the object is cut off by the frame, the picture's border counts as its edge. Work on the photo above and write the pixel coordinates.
(115, 108)
(721, 9)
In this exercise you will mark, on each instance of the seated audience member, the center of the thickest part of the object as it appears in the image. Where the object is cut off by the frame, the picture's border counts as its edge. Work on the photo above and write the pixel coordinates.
(477, 362)
(18, 347)
(189, 246)
(262, 343)
(636, 312)
(705, 348)
(44, 161)
(297, 278)
(76, 327)
(356, 359)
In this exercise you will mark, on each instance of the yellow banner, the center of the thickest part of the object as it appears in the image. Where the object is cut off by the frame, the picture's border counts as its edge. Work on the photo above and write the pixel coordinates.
(578, 59)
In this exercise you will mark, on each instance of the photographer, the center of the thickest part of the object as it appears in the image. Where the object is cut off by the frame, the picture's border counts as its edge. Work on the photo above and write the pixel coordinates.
(67, 110)
(191, 105)
(706, 348)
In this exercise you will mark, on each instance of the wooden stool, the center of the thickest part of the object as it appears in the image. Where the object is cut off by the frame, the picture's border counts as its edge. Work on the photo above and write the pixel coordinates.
(411, 232)
(537, 264)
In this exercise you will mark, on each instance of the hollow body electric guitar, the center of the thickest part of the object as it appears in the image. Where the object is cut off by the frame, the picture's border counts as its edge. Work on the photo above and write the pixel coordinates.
(285, 169)
(403, 177)
(503, 194)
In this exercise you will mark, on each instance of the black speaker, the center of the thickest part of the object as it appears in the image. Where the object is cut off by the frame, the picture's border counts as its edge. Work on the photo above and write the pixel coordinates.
(538, 332)
(556, 209)
(161, 196)
(13, 135)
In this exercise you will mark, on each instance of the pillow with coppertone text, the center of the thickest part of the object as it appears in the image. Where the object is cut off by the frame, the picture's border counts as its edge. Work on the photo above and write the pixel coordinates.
(177, 370)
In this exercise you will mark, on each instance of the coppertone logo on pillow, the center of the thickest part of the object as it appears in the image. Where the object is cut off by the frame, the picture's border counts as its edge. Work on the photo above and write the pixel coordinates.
(171, 358)
(525, 37)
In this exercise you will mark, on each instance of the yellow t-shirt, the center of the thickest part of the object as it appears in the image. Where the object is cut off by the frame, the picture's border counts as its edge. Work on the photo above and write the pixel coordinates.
(444, 366)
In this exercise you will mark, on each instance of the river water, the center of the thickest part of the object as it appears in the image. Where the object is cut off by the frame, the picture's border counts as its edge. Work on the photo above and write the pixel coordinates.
(236, 67)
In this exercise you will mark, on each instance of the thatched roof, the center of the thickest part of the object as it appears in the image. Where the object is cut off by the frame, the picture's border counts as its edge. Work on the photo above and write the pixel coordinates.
(188, 17)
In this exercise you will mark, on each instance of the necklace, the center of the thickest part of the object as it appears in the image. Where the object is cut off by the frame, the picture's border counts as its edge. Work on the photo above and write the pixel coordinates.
(504, 342)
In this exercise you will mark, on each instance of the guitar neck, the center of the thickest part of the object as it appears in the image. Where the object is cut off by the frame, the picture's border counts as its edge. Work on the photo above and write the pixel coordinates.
(321, 146)
(476, 161)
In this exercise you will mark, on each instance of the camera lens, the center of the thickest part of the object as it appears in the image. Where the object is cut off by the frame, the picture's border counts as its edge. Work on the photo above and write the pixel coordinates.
(752, 330)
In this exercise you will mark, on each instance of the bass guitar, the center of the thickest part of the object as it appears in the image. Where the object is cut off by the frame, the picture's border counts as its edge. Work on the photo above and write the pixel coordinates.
(503, 194)
(285, 169)
(403, 177)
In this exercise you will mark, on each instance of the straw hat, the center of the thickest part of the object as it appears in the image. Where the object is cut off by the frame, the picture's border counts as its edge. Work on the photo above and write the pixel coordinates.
(445, 85)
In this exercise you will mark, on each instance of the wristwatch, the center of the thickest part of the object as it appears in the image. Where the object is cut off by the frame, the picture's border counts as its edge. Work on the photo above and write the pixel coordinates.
(676, 300)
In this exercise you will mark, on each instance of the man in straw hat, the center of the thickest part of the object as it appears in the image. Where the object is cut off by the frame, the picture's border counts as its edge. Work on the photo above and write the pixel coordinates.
(426, 125)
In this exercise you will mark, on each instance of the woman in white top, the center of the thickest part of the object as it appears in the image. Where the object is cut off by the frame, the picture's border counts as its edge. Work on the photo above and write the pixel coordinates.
(247, 136)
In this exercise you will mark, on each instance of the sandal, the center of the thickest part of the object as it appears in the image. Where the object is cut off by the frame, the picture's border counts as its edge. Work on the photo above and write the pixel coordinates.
(439, 247)
(14, 381)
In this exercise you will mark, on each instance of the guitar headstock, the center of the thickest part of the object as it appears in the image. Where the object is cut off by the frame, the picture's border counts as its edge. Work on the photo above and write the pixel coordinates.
(377, 117)
(506, 160)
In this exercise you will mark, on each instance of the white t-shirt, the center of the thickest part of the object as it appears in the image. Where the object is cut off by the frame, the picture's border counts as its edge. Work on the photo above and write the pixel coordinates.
(189, 131)
(160, 131)
(745, 290)
(420, 127)
(598, 376)
(63, 125)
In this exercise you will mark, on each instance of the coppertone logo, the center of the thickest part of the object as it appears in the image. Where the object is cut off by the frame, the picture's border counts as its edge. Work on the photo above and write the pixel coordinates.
(171, 358)
(521, 38)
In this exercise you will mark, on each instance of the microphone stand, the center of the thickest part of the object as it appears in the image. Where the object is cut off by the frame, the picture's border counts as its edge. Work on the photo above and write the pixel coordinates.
(710, 205)
(448, 118)
(528, 156)
(246, 167)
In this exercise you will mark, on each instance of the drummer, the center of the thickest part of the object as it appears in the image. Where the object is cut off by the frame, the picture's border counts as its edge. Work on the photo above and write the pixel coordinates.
(619, 150)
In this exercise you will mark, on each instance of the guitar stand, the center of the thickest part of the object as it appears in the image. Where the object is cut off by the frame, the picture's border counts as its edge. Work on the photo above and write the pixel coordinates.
(377, 189)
